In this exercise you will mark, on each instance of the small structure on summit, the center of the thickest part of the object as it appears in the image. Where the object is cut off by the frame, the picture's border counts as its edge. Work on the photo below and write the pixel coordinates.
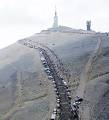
(55, 24)
(88, 24)
(58, 28)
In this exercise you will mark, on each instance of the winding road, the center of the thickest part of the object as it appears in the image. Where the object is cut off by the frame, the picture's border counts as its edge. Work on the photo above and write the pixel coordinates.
(62, 90)
(65, 101)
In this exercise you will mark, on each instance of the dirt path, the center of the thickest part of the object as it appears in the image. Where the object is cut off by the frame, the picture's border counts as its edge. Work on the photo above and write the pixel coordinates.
(18, 100)
(85, 77)
(19, 89)
(87, 69)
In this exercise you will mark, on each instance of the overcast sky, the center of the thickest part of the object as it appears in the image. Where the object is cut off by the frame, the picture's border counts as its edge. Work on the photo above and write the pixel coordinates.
(21, 18)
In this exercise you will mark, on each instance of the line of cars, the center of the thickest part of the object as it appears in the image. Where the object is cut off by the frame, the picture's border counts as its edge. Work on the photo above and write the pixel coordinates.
(46, 66)
(50, 76)
(30, 45)
(61, 89)
(49, 73)
(75, 107)
(57, 83)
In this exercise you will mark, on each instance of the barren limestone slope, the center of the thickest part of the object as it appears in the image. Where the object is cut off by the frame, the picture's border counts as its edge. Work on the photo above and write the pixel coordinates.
(75, 51)
(25, 91)
(27, 94)
(97, 88)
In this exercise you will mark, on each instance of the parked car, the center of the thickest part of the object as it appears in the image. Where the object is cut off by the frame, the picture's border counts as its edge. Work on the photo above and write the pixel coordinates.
(50, 77)
(47, 69)
(64, 82)
(78, 99)
(55, 110)
(53, 116)
(45, 65)
(58, 100)
(58, 105)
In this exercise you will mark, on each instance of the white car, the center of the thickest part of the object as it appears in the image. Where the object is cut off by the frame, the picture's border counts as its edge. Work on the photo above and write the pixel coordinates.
(55, 111)
(68, 93)
(58, 105)
(65, 83)
(53, 116)
(50, 77)
(55, 89)
(58, 100)
(53, 82)
(42, 58)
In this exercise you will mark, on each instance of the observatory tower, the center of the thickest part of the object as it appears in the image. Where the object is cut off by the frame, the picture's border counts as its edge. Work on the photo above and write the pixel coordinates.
(55, 24)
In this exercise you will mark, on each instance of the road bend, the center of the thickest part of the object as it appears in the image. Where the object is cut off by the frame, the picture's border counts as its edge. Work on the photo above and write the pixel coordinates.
(61, 87)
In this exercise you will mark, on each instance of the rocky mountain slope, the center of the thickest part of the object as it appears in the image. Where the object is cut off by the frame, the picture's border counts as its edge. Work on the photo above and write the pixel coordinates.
(25, 91)
(24, 87)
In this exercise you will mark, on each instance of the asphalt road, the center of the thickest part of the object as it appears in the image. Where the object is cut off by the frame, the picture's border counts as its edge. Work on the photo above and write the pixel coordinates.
(61, 88)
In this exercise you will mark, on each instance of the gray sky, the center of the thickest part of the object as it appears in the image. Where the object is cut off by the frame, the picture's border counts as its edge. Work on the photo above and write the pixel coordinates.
(26, 17)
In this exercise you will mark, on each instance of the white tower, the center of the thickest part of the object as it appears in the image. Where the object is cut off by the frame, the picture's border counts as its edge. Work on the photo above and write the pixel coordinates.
(55, 24)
